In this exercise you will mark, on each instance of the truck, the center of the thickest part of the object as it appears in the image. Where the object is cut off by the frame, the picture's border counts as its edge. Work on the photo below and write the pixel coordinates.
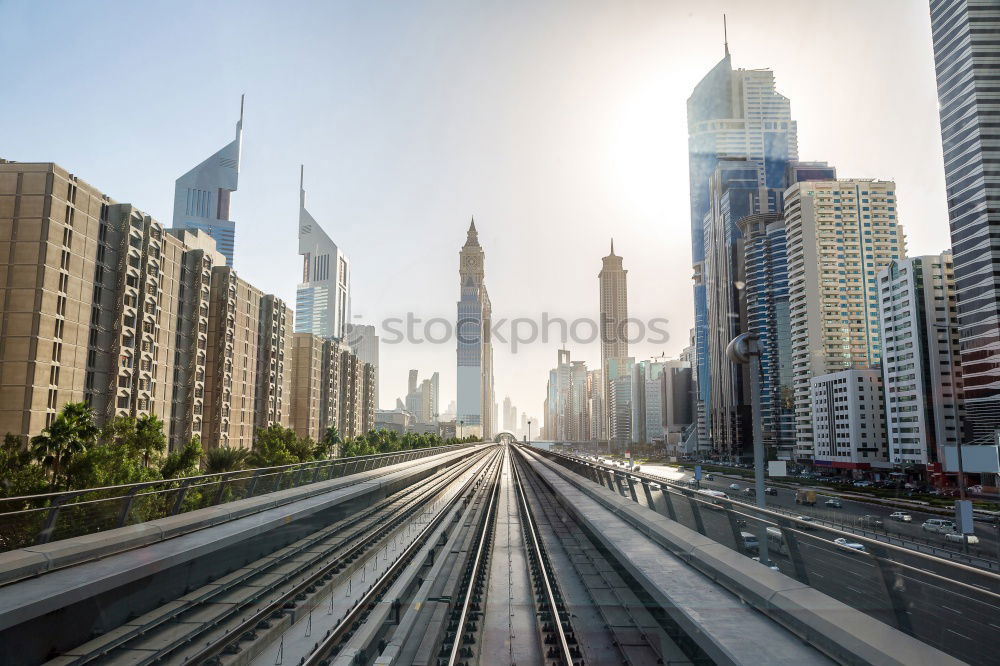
(804, 496)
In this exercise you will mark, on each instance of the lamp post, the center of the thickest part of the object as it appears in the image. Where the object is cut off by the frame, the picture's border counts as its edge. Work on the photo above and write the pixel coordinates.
(745, 350)
(958, 443)
(529, 431)
(460, 429)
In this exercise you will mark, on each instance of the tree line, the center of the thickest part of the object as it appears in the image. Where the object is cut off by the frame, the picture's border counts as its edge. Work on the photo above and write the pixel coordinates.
(74, 453)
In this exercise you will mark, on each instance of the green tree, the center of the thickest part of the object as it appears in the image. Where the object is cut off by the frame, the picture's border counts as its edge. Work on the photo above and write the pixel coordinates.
(110, 463)
(71, 433)
(329, 445)
(183, 462)
(273, 446)
(303, 450)
(150, 442)
(225, 459)
(19, 475)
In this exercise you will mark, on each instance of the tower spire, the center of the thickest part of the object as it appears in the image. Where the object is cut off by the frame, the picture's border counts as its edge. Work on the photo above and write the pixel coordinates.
(302, 186)
(725, 35)
(612, 246)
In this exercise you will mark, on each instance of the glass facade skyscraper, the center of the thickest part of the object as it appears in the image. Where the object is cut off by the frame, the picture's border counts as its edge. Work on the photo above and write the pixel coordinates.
(967, 59)
(731, 113)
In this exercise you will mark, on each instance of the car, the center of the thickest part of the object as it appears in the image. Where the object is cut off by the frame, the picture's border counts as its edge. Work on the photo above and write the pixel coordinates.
(939, 525)
(862, 484)
(770, 491)
(750, 542)
(901, 516)
(957, 538)
(749, 491)
(807, 522)
(871, 521)
(834, 503)
(734, 486)
(853, 545)
(974, 489)
(710, 477)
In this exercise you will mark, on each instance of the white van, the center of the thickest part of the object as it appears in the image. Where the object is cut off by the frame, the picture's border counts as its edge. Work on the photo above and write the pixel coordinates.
(939, 525)
(750, 542)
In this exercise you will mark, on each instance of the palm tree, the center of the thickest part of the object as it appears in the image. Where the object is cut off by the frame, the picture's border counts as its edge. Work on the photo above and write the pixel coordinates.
(149, 437)
(225, 459)
(72, 431)
(329, 446)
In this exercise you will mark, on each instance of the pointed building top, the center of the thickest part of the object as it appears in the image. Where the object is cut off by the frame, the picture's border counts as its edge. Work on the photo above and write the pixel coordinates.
(472, 238)
(302, 186)
(725, 36)
(612, 247)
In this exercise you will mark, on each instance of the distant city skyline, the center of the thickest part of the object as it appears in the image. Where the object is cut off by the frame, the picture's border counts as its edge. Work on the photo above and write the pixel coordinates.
(409, 147)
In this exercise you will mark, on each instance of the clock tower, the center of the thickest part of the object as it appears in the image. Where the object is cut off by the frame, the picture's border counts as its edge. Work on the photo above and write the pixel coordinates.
(471, 258)
(474, 351)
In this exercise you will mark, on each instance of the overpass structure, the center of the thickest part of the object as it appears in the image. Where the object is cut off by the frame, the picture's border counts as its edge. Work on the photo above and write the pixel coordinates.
(474, 554)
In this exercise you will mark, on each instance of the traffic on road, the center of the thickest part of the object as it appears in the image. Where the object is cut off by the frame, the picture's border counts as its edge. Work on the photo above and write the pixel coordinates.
(913, 527)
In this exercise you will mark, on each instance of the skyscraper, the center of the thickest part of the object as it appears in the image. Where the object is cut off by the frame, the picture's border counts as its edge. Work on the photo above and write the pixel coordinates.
(474, 348)
(839, 235)
(921, 362)
(362, 339)
(322, 301)
(509, 415)
(967, 57)
(735, 192)
(613, 286)
(201, 196)
(736, 113)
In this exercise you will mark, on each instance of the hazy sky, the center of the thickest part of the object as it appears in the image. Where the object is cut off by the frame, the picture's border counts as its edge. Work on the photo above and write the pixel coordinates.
(557, 124)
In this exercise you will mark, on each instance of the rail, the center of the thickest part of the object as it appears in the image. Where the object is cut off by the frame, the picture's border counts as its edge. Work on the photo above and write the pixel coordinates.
(356, 546)
(469, 597)
(39, 519)
(330, 644)
(565, 653)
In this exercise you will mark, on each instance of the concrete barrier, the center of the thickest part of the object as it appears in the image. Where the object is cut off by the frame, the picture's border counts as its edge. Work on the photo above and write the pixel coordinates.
(847, 635)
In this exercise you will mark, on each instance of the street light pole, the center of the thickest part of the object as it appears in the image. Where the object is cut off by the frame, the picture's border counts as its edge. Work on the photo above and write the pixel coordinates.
(958, 446)
(529, 431)
(745, 350)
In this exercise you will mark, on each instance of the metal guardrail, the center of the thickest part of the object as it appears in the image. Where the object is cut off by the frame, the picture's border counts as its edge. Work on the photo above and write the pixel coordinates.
(39, 519)
(941, 602)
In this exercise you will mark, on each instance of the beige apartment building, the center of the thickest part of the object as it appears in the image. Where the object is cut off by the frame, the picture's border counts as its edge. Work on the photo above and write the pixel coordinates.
(230, 389)
(50, 228)
(100, 303)
(274, 358)
(331, 387)
(307, 374)
(840, 234)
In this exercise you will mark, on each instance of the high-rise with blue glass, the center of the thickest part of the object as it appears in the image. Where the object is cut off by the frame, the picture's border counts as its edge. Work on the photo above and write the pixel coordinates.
(731, 114)
(201, 196)
(967, 59)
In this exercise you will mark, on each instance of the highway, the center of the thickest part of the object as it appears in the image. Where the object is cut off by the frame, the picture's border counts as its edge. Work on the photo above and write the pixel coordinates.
(849, 516)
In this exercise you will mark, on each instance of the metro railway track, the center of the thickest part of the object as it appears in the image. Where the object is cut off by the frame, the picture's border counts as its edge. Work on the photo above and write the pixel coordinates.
(326, 651)
(344, 542)
(559, 644)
